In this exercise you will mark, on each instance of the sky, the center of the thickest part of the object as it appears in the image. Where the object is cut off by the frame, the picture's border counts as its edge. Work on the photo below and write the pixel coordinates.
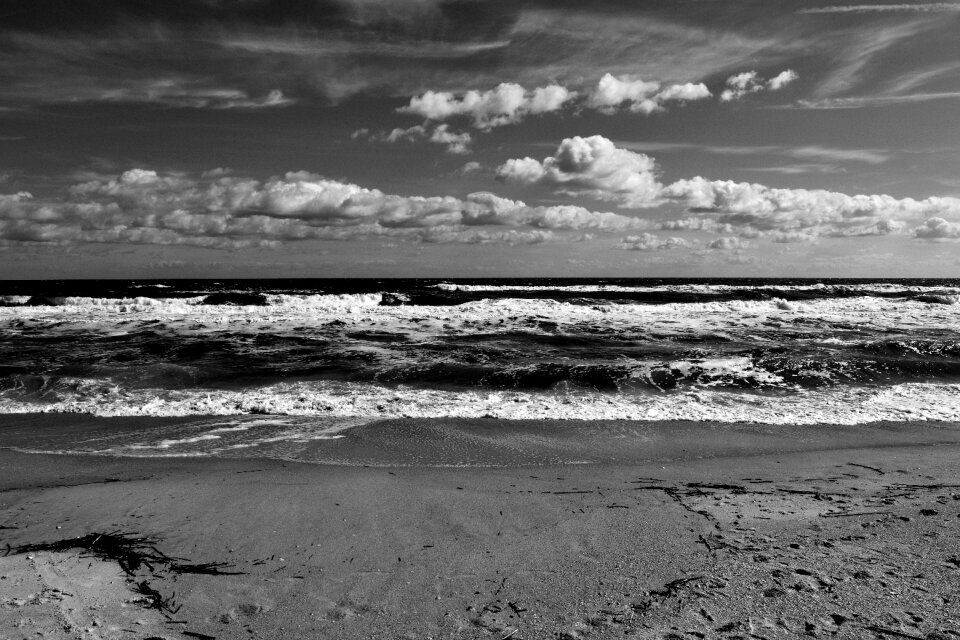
(479, 138)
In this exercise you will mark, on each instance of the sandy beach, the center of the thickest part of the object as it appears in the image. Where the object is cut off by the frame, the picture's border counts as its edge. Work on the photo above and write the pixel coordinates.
(485, 529)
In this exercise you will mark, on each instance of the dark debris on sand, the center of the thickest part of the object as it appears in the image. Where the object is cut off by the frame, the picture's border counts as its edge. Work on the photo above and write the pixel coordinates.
(824, 557)
(137, 556)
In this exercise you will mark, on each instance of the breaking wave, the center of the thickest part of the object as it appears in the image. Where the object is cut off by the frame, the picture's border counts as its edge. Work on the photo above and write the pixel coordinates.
(844, 405)
(699, 351)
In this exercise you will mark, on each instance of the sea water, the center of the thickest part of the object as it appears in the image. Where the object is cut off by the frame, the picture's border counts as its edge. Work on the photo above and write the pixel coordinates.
(349, 351)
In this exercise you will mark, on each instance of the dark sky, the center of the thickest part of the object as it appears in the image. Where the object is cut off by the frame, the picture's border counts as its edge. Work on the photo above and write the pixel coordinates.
(256, 138)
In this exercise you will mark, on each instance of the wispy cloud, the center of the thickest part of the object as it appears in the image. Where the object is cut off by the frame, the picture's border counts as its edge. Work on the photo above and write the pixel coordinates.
(807, 152)
(331, 50)
(796, 169)
(456, 143)
(923, 7)
(173, 94)
(860, 53)
(860, 102)
(412, 50)
(567, 44)
(868, 156)
(908, 82)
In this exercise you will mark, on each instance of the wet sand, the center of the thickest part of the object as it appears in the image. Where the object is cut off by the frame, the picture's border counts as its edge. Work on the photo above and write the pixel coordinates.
(649, 530)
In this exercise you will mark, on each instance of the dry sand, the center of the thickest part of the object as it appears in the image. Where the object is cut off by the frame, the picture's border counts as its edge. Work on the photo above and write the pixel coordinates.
(664, 531)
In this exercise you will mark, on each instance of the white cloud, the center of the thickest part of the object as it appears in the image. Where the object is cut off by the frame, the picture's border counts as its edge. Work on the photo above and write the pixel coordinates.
(640, 96)
(797, 168)
(861, 102)
(693, 223)
(922, 7)
(816, 152)
(748, 82)
(456, 143)
(474, 236)
(597, 168)
(864, 50)
(611, 92)
(938, 229)
(179, 93)
(222, 211)
(508, 103)
(741, 84)
(868, 156)
(791, 237)
(684, 92)
(396, 135)
(568, 217)
(470, 168)
(728, 244)
(833, 213)
(782, 79)
(550, 98)
(651, 242)
(592, 167)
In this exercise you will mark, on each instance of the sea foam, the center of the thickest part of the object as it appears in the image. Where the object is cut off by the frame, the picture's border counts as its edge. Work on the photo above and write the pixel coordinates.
(843, 405)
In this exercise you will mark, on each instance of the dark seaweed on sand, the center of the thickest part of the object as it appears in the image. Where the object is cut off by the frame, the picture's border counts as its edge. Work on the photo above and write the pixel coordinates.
(155, 600)
(128, 550)
(132, 553)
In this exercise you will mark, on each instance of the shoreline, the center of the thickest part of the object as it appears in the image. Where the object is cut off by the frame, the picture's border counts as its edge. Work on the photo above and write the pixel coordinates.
(756, 540)
(448, 442)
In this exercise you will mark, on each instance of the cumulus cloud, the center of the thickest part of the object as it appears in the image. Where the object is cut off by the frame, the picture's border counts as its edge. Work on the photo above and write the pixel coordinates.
(508, 103)
(456, 143)
(592, 167)
(595, 167)
(938, 229)
(740, 85)
(640, 96)
(792, 237)
(651, 242)
(727, 244)
(223, 211)
(511, 237)
(613, 91)
(748, 82)
(782, 79)
(769, 209)
(694, 223)
(469, 168)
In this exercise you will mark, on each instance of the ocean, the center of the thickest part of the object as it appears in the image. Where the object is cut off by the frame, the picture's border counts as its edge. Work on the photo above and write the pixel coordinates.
(303, 360)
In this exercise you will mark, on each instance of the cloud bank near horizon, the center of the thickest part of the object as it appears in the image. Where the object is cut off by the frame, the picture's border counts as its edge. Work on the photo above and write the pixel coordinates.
(219, 210)
(596, 168)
